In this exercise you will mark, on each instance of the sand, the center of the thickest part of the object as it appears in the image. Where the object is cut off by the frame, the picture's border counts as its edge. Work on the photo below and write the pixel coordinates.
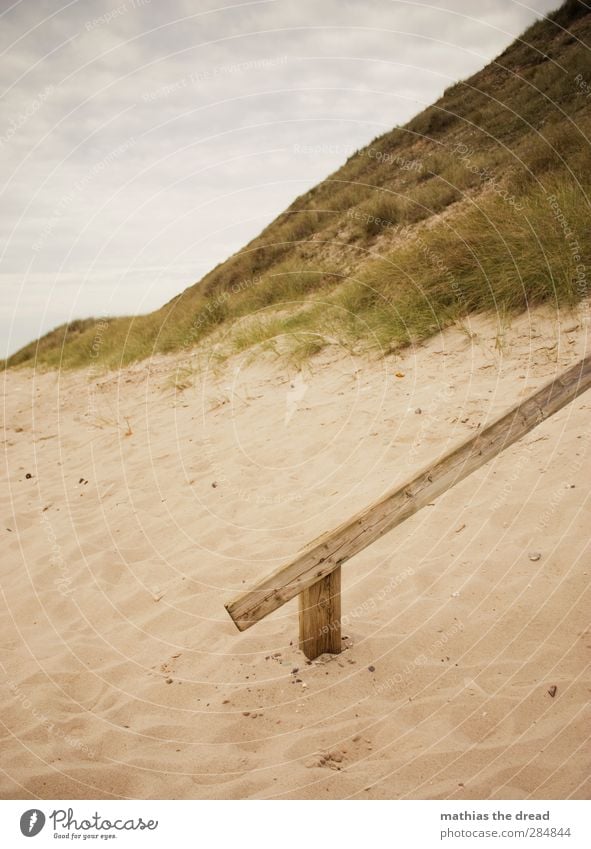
(132, 509)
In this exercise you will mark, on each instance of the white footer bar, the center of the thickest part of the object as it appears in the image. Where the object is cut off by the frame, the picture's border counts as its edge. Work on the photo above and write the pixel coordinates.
(252, 824)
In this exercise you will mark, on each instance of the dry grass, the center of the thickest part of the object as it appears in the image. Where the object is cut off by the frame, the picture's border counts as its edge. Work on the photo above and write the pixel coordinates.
(469, 178)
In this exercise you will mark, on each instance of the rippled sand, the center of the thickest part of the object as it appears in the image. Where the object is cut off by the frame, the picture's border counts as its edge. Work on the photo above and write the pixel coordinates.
(148, 507)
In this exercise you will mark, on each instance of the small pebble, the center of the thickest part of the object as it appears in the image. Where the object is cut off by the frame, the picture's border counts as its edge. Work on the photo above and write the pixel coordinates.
(552, 690)
(418, 411)
(169, 680)
(371, 668)
(28, 476)
(534, 555)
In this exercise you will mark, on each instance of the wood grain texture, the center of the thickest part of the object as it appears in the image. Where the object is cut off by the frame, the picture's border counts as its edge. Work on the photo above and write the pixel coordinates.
(328, 552)
(320, 616)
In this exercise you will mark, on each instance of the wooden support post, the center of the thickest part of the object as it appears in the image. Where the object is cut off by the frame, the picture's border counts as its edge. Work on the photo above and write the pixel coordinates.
(320, 616)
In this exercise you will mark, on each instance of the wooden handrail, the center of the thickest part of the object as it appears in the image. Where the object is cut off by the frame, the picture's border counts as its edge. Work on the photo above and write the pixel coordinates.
(315, 564)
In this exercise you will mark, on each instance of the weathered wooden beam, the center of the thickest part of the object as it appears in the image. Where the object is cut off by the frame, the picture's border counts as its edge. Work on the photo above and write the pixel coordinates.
(325, 554)
(320, 616)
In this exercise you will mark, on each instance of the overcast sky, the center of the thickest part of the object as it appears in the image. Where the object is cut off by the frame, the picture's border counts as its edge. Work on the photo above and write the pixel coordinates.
(142, 142)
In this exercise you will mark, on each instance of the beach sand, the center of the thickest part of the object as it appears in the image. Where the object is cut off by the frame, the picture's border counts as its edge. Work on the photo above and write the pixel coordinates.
(132, 509)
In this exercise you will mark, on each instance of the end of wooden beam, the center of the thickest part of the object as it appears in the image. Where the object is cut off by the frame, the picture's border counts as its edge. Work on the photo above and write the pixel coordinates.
(241, 623)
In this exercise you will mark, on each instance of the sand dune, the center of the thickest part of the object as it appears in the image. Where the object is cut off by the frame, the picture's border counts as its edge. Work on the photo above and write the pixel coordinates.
(148, 507)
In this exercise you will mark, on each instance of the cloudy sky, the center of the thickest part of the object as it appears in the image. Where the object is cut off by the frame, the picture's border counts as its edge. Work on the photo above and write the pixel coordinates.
(142, 142)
